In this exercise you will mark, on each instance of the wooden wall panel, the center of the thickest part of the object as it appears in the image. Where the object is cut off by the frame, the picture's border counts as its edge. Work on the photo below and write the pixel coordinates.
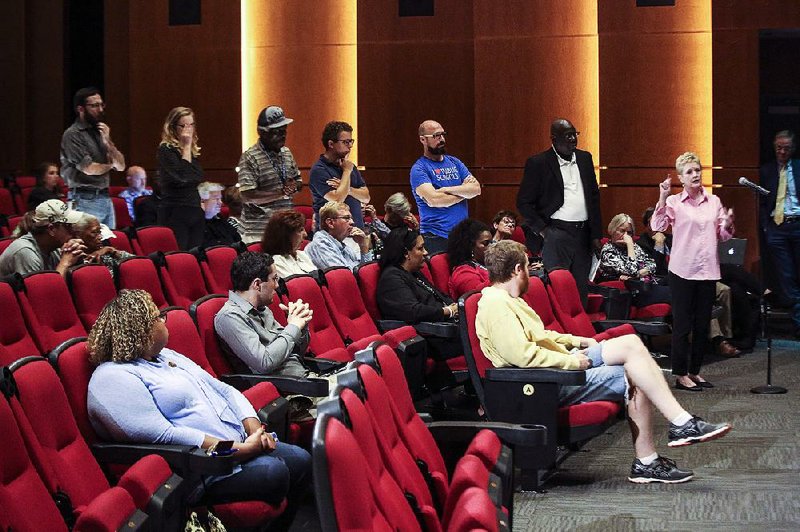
(197, 66)
(654, 98)
(522, 85)
(301, 56)
(13, 97)
(411, 69)
(44, 81)
(533, 65)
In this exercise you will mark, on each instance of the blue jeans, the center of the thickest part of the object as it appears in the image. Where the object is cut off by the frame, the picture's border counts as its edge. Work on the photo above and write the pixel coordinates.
(285, 472)
(98, 205)
(784, 246)
(603, 383)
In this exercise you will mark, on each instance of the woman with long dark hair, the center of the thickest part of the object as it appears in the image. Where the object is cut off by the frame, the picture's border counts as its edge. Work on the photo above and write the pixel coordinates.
(466, 245)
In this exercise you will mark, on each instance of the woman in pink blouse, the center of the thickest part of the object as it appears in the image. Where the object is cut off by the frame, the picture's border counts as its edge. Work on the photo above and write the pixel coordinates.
(698, 222)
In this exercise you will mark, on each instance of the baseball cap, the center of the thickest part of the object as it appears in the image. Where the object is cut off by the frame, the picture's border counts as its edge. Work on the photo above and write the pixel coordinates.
(272, 117)
(55, 212)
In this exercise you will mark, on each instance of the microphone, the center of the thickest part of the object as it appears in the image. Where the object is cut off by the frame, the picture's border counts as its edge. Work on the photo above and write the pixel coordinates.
(749, 184)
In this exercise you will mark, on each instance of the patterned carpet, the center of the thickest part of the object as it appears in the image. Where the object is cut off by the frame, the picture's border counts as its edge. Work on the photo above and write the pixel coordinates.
(749, 480)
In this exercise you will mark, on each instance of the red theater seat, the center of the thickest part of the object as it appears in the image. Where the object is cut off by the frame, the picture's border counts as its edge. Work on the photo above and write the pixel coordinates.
(141, 273)
(92, 287)
(48, 309)
(155, 238)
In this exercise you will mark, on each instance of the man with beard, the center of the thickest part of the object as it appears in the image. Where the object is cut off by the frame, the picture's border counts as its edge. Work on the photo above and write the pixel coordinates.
(511, 334)
(560, 203)
(334, 177)
(268, 174)
(441, 185)
(88, 155)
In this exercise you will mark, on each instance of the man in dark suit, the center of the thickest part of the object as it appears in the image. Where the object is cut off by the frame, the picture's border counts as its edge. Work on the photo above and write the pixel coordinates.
(780, 218)
(560, 204)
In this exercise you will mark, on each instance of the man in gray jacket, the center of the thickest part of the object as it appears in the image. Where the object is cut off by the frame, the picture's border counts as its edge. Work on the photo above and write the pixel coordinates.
(247, 327)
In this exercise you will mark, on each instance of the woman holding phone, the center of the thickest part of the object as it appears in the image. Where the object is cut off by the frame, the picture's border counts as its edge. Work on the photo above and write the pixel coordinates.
(143, 392)
(699, 222)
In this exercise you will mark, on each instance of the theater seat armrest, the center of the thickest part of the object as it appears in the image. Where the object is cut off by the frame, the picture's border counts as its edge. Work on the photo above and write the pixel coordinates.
(563, 377)
(388, 325)
(509, 433)
(290, 385)
(322, 366)
(647, 328)
(426, 417)
(186, 460)
(437, 329)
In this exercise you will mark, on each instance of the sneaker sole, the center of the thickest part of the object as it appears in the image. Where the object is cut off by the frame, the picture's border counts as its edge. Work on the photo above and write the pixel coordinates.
(646, 480)
(683, 442)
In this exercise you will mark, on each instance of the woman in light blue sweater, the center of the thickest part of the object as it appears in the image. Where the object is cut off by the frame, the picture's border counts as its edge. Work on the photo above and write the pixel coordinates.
(143, 392)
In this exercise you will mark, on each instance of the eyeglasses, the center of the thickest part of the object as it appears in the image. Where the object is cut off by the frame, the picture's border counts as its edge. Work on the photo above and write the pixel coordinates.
(571, 134)
(95, 105)
(347, 142)
(162, 316)
(509, 222)
(348, 217)
(437, 136)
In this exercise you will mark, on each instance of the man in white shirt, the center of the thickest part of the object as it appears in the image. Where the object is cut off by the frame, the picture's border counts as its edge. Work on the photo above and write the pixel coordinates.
(560, 203)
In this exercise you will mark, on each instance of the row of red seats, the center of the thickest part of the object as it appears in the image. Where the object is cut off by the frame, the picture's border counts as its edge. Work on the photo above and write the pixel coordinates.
(49, 479)
(369, 440)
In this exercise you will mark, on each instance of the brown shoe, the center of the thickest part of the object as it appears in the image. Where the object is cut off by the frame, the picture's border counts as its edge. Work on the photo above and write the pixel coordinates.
(727, 350)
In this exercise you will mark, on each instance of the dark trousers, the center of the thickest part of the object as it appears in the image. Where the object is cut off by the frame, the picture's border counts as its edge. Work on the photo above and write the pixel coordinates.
(188, 224)
(569, 248)
(784, 248)
(692, 302)
(434, 243)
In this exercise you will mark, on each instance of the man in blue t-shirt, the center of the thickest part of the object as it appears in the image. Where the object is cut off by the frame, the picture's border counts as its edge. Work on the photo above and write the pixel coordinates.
(441, 185)
(334, 177)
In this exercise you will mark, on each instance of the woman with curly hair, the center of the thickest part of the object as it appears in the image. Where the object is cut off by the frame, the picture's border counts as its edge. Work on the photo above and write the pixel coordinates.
(143, 392)
(466, 245)
(179, 174)
(283, 234)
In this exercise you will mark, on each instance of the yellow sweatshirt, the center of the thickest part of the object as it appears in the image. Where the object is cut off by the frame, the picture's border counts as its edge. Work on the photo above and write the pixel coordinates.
(512, 334)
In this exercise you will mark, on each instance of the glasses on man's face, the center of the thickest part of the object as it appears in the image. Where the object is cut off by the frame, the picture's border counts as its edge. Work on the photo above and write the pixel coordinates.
(96, 105)
(347, 142)
(436, 136)
(508, 222)
(571, 135)
(347, 217)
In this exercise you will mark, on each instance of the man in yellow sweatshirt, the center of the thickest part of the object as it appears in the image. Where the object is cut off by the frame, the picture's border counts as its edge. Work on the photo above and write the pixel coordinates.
(512, 334)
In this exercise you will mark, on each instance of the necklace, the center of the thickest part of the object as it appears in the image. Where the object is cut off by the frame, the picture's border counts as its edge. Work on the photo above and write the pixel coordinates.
(277, 163)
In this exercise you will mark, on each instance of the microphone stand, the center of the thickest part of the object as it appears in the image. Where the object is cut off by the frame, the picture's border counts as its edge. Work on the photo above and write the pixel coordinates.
(764, 309)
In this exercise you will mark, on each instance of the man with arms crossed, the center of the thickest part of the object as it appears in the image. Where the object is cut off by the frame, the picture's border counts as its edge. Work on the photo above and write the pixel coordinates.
(441, 185)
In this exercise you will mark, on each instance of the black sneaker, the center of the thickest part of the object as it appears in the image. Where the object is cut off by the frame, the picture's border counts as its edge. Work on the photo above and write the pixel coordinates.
(695, 431)
(662, 470)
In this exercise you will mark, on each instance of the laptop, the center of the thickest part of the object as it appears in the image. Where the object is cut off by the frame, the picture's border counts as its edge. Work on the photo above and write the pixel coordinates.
(732, 251)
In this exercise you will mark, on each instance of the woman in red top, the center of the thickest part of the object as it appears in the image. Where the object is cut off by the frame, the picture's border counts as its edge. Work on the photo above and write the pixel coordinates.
(466, 245)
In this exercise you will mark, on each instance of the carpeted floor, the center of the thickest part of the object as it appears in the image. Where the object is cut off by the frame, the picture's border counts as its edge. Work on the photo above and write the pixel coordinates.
(749, 480)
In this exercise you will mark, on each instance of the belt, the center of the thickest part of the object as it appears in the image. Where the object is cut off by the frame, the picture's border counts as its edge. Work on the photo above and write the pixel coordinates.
(90, 190)
(569, 225)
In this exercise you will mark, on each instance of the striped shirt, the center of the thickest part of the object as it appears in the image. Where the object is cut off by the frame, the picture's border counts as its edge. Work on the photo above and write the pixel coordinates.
(260, 170)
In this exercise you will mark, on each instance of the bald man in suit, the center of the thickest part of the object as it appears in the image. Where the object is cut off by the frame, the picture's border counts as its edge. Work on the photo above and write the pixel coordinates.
(560, 203)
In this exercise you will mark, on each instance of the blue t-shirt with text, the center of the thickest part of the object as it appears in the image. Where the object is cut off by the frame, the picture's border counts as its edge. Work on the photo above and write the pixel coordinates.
(447, 173)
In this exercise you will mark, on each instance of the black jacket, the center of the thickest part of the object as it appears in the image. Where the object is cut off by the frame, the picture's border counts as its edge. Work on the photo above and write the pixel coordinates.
(541, 193)
(401, 297)
(768, 178)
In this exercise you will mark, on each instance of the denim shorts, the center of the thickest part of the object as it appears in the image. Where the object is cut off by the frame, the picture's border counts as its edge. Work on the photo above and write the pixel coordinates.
(603, 383)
